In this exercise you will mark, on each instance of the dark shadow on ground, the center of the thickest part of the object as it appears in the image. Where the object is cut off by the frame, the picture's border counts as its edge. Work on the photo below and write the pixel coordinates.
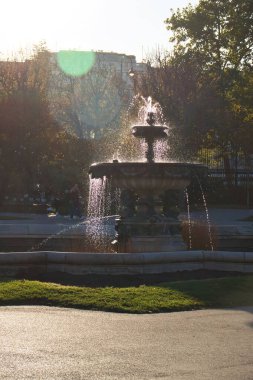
(233, 291)
(95, 280)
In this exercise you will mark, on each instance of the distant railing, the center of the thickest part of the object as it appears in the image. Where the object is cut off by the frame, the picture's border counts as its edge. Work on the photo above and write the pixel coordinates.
(240, 177)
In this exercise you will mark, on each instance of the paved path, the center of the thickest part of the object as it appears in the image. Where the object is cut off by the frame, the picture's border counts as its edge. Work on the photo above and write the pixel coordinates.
(221, 216)
(52, 343)
(26, 218)
(216, 215)
(37, 224)
(46, 225)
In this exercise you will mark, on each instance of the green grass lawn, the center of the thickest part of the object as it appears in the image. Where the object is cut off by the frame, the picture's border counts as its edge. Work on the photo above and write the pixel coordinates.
(173, 296)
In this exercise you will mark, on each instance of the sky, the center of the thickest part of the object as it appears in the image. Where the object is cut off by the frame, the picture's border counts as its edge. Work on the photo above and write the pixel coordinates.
(131, 27)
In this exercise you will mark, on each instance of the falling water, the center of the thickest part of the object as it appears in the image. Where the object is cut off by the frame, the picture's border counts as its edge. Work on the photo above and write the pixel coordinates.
(189, 219)
(146, 106)
(140, 106)
(207, 214)
(53, 236)
(137, 114)
(102, 200)
(95, 203)
(142, 150)
(85, 223)
(117, 200)
(93, 224)
(96, 209)
(161, 148)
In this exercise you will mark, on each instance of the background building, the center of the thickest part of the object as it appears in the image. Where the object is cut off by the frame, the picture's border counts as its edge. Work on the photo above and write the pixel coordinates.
(90, 104)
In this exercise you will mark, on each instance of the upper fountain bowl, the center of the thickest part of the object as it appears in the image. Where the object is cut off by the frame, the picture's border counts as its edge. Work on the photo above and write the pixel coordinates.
(150, 132)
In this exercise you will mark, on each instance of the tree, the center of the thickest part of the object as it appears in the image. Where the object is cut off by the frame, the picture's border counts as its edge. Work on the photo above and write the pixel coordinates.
(34, 149)
(27, 132)
(220, 31)
(216, 38)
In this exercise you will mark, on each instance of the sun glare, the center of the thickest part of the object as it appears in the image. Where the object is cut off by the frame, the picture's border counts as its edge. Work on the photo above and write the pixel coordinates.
(75, 63)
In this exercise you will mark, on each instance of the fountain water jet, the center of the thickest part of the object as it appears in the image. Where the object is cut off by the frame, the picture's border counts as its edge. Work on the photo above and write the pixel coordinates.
(147, 219)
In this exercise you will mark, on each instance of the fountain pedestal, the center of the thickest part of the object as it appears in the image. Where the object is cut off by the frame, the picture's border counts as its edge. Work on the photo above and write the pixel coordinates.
(143, 225)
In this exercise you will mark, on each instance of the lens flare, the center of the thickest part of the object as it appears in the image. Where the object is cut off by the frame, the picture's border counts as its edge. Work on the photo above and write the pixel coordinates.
(75, 63)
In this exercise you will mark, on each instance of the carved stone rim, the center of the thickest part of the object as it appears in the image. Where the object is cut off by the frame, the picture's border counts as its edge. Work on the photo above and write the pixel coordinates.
(153, 169)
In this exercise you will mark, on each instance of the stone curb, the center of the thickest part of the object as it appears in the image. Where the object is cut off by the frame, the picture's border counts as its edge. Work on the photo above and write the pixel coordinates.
(13, 263)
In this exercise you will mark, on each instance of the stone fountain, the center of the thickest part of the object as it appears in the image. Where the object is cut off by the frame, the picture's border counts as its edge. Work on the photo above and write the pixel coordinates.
(150, 192)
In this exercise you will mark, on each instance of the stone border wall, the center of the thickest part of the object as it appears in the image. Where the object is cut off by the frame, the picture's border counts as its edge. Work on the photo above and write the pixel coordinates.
(23, 263)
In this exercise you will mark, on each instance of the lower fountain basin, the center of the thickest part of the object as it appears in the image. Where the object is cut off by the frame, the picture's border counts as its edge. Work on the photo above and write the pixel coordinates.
(153, 177)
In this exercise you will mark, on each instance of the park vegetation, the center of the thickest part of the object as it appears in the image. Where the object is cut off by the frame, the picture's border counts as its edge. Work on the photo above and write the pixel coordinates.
(53, 126)
(205, 85)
